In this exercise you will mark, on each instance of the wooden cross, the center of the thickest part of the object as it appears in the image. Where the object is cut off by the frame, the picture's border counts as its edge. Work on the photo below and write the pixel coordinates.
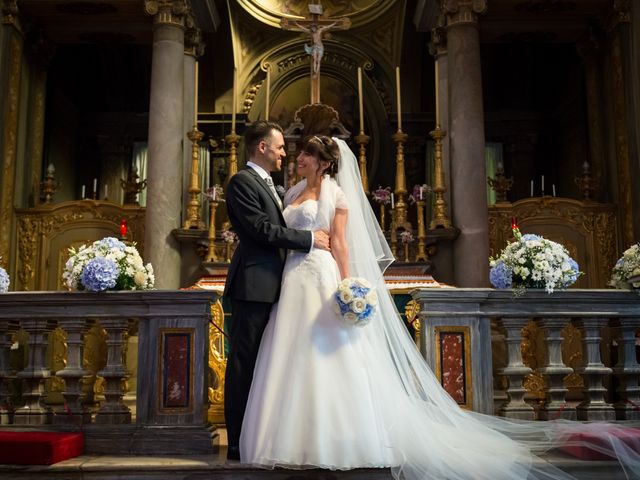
(315, 27)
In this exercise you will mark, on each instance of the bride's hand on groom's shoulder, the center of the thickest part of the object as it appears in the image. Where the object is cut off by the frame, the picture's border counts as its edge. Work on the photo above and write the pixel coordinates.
(321, 240)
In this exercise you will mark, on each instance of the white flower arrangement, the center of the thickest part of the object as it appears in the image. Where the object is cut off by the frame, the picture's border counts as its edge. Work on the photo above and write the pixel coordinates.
(4, 281)
(533, 261)
(356, 301)
(228, 236)
(107, 264)
(626, 272)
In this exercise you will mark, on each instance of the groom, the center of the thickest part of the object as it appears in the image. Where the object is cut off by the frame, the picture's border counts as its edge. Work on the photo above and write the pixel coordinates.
(255, 273)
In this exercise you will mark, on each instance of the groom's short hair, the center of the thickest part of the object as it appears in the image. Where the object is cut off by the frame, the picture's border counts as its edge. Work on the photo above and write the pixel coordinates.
(257, 132)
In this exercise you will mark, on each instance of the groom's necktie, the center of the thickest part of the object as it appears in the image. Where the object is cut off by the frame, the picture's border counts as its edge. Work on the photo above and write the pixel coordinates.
(269, 181)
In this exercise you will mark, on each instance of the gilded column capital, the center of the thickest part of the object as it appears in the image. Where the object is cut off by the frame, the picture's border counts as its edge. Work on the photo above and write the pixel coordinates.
(460, 12)
(621, 13)
(10, 13)
(193, 44)
(438, 40)
(167, 12)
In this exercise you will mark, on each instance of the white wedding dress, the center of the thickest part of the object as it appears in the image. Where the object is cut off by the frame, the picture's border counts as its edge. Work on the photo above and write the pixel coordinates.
(329, 395)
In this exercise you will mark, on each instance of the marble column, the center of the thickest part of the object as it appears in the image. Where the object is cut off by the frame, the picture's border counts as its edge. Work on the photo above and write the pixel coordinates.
(166, 134)
(466, 132)
(620, 90)
(10, 74)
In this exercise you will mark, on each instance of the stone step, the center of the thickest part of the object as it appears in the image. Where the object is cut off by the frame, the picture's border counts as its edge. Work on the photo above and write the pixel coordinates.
(215, 467)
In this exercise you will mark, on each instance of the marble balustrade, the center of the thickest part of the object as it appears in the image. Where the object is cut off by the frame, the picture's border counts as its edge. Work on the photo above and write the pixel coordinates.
(171, 399)
(608, 392)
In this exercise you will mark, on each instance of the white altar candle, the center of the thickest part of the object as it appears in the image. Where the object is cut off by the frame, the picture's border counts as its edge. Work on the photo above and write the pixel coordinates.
(437, 95)
(532, 188)
(213, 193)
(393, 204)
(420, 193)
(398, 98)
(233, 100)
(268, 92)
(95, 185)
(195, 94)
(360, 100)
(542, 184)
(553, 189)
(82, 194)
(106, 191)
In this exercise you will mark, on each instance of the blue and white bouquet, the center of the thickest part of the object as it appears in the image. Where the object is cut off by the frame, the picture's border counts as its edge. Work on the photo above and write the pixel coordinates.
(626, 272)
(107, 264)
(4, 281)
(533, 261)
(356, 301)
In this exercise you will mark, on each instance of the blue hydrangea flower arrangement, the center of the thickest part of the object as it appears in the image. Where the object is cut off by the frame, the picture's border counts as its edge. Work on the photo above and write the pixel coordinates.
(626, 271)
(356, 301)
(533, 261)
(107, 264)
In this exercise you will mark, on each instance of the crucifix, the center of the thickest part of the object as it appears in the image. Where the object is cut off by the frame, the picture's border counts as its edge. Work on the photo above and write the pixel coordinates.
(315, 27)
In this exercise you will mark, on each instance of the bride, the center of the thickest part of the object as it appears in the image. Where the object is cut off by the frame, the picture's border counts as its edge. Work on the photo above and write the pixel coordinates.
(329, 395)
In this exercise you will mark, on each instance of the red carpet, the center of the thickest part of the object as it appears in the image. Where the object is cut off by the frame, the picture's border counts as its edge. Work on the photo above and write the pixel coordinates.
(39, 448)
(587, 445)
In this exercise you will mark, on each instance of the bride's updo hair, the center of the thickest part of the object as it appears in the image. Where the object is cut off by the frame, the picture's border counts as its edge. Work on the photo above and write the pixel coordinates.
(324, 149)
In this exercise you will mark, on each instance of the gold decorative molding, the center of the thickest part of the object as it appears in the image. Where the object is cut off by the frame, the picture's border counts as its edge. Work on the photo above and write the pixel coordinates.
(193, 44)
(217, 365)
(167, 12)
(10, 143)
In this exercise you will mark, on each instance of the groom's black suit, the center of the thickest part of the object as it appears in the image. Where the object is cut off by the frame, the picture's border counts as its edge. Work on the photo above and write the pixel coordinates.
(253, 282)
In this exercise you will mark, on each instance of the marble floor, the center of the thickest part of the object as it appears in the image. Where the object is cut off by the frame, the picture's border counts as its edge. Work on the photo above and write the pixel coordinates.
(217, 467)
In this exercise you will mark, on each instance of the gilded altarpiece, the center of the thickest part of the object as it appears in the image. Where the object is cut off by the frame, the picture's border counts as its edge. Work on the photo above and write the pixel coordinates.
(589, 231)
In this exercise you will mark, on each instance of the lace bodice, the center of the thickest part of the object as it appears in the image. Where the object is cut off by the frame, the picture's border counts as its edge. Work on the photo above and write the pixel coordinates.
(302, 216)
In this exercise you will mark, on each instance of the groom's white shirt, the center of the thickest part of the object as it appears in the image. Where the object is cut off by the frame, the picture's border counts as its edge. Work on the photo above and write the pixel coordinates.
(264, 174)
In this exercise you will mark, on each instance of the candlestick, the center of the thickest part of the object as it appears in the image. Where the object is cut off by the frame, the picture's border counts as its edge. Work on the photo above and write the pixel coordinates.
(360, 100)
(233, 100)
(532, 188)
(398, 99)
(393, 204)
(82, 194)
(268, 93)
(195, 94)
(553, 189)
(437, 94)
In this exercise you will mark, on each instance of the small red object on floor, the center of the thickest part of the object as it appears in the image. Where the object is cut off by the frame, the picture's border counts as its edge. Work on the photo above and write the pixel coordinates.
(580, 443)
(39, 448)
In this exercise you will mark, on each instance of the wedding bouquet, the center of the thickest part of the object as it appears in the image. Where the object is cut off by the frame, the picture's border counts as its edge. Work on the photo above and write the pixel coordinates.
(626, 272)
(533, 261)
(4, 280)
(107, 264)
(356, 301)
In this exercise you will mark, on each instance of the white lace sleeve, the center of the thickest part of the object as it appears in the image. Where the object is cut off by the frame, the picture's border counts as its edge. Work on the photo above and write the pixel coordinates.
(341, 200)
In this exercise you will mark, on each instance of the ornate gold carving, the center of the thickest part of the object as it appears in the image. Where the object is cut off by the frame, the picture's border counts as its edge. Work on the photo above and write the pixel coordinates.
(411, 313)
(95, 359)
(10, 142)
(217, 364)
(27, 246)
(56, 360)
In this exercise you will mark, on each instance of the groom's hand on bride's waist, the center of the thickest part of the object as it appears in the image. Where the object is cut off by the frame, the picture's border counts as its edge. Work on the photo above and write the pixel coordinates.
(321, 240)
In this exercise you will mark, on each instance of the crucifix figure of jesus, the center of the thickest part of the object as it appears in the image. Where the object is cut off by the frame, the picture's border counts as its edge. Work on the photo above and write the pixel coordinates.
(315, 27)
